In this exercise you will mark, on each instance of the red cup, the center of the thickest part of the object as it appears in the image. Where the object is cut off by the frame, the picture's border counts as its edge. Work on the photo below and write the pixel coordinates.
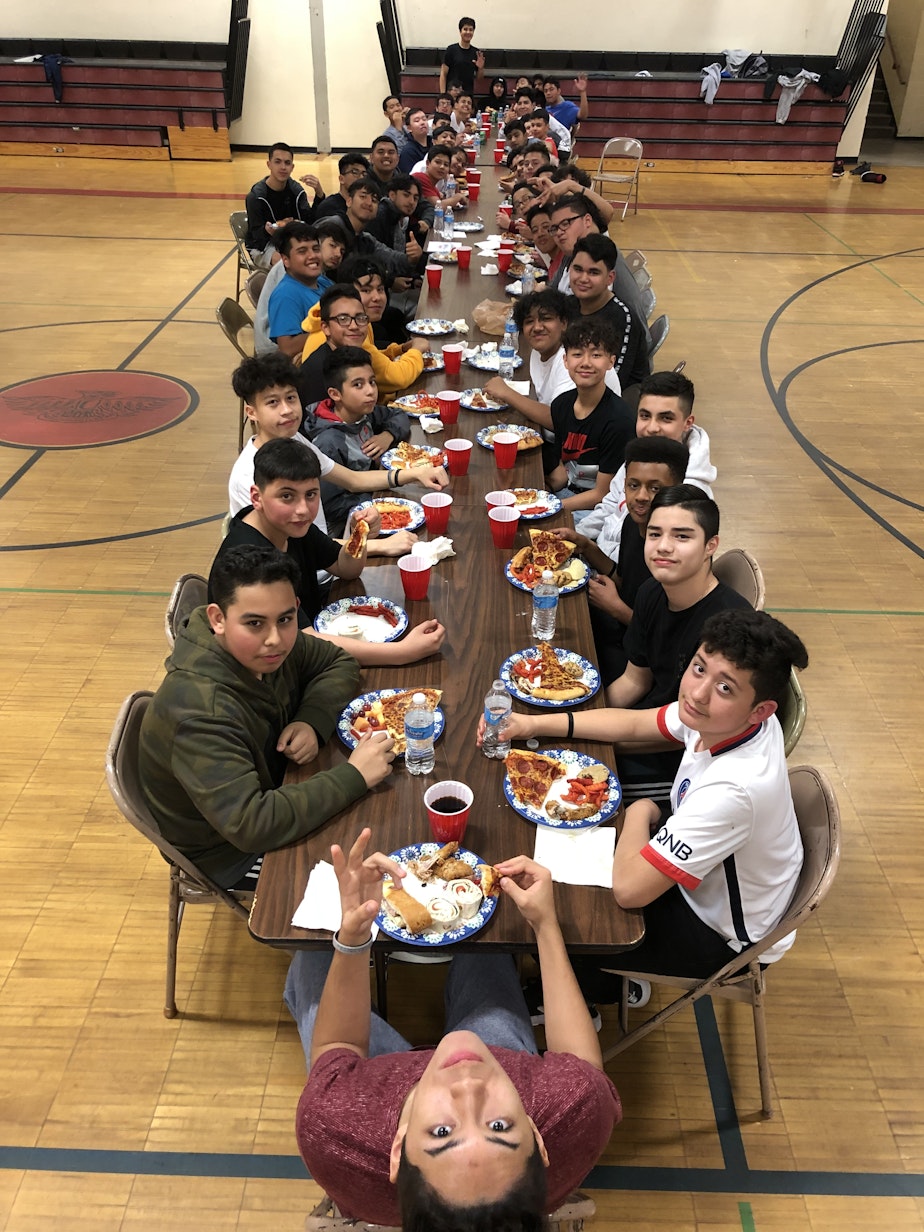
(464, 252)
(507, 211)
(458, 455)
(504, 260)
(473, 176)
(508, 243)
(434, 274)
(499, 155)
(449, 404)
(415, 576)
(499, 499)
(505, 450)
(452, 357)
(448, 827)
(470, 152)
(504, 520)
(474, 192)
(436, 507)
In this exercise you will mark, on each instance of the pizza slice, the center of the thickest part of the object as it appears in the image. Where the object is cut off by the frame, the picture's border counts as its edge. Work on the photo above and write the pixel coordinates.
(407, 456)
(531, 775)
(557, 684)
(525, 496)
(396, 707)
(356, 544)
(549, 552)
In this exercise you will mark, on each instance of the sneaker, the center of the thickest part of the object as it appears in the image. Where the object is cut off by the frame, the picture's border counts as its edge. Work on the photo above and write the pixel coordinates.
(860, 168)
(639, 994)
(873, 177)
(532, 991)
(838, 169)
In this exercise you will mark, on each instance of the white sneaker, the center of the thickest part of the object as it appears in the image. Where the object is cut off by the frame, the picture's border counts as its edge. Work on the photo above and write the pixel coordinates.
(639, 994)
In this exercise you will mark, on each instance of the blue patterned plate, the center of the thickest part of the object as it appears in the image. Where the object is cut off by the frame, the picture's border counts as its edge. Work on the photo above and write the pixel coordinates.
(546, 504)
(471, 224)
(562, 590)
(391, 461)
(589, 676)
(468, 399)
(359, 704)
(575, 762)
(431, 327)
(420, 403)
(415, 510)
(485, 436)
(433, 362)
(430, 940)
(336, 616)
(489, 361)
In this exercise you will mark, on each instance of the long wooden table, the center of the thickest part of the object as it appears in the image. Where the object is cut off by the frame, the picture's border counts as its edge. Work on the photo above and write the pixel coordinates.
(486, 619)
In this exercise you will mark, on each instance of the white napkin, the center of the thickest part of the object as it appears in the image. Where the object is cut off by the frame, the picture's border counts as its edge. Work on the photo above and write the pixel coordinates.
(440, 247)
(430, 423)
(460, 326)
(577, 857)
(514, 288)
(320, 908)
(490, 268)
(519, 387)
(434, 549)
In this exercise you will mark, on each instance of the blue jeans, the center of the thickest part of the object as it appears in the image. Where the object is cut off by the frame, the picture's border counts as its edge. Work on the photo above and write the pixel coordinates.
(483, 995)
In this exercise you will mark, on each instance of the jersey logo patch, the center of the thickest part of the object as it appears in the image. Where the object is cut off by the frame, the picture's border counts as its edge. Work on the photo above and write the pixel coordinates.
(682, 790)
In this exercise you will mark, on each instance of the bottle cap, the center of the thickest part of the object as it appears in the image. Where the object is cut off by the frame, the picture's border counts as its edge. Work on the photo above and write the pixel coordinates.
(419, 699)
(548, 575)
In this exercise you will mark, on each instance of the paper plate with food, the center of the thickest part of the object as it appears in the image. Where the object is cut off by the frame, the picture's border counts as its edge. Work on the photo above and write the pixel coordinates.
(469, 224)
(443, 258)
(477, 400)
(384, 710)
(529, 437)
(486, 358)
(417, 404)
(547, 551)
(364, 618)
(430, 327)
(433, 362)
(535, 503)
(549, 677)
(406, 456)
(398, 514)
(447, 895)
(560, 788)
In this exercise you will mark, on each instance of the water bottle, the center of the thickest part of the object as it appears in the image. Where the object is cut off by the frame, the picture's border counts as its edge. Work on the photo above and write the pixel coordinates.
(528, 280)
(545, 605)
(418, 734)
(477, 140)
(449, 222)
(507, 350)
(497, 705)
(438, 227)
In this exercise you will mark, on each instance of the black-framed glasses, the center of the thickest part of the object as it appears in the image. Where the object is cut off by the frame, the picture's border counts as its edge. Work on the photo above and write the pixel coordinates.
(555, 227)
(344, 319)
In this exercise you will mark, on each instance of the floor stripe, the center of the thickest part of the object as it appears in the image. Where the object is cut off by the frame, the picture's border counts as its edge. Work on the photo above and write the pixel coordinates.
(720, 1088)
(18, 474)
(53, 590)
(746, 1215)
(135, 534)
(844, 611)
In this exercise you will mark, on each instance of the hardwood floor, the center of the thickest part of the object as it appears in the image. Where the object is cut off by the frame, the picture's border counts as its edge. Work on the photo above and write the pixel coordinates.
(798, 305)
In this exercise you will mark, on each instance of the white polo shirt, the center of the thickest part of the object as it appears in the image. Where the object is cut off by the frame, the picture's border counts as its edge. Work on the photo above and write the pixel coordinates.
(733, 844)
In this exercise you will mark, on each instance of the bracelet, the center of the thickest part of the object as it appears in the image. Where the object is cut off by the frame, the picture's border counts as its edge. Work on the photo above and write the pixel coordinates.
(397, 478)
(613, 570)
(392, 479)
(583, 192)
(570, 732)
(350, 949)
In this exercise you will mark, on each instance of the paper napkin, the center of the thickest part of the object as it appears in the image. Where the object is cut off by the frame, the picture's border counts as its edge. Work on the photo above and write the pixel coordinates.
(320, 908)
(433, 550)
(490, 268)
(430, 423)
(577, 857)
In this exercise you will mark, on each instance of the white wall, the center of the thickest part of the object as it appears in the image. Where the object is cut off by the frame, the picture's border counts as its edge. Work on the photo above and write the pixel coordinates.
(279, 88)
(799, 26)
(356, 77)
(902, 63)
(205, 21)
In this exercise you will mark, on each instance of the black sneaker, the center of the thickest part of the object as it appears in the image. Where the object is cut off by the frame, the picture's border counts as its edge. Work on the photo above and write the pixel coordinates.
(838, 169)
(532, 991)
(860, 168)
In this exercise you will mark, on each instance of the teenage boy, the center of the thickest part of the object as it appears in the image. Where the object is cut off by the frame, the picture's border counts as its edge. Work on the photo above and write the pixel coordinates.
(402, 214)
(394, 113)
(244, 694)
(362, 209)
(652, 463)
(536, 160)
(276, 200)
(350, 427)
(432, 182)
(537, 129)
(415, 148)
(298, 290)
(340, 319)
(350, 168)
(564, 111)
(267, 384)
(591, 273)
(462, 63)
(383, 161)
(592, 425)
(665, 409)
(461, 118)
(368, 278)
(719, 872)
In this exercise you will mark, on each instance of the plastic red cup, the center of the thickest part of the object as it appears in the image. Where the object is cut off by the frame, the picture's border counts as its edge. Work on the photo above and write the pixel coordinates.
(458, 456)
(449, 404)
(505, 450)
(506, 210)
(473, 176)
(508, 243)
(452, 357)
(470, 152)
(474, 192)
(503, 521)
(464, 252)
(434, 274)
(415, 576)
(499, 155)
(448, 827)
(436, 507)
(499, 499)
(504, 259)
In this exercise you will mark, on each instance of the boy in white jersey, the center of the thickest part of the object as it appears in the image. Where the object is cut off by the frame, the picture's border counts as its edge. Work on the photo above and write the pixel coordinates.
(720, 872)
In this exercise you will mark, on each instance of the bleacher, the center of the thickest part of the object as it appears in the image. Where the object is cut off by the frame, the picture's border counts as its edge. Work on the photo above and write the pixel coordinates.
(121, 100)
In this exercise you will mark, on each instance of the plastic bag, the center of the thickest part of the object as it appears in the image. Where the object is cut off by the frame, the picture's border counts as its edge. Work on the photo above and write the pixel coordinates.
(491, 316)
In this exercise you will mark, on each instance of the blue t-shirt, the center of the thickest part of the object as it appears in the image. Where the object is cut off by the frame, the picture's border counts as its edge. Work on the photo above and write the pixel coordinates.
(564, 112)
(290, 303)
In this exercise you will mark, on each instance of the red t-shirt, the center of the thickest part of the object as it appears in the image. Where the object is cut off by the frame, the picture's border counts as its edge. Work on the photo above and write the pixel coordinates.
(348, 1116)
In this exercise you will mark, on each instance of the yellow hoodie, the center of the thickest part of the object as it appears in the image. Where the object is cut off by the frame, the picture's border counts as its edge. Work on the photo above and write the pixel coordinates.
(393, 369)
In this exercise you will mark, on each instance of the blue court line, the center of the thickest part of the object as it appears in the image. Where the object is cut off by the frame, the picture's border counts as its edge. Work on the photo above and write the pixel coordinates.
(720, 1088)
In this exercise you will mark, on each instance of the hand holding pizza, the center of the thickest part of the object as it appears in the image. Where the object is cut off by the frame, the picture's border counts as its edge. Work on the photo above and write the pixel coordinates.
(371, 516)
(530, 887)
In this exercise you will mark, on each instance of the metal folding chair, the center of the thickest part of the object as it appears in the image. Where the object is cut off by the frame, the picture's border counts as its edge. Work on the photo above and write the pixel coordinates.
(739, 570)
(659, 330)
(237, 327)
(245, 262)
(628, 152)
(189, 592)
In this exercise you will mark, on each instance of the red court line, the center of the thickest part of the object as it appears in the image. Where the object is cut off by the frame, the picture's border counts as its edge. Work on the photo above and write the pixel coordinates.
(108, 192)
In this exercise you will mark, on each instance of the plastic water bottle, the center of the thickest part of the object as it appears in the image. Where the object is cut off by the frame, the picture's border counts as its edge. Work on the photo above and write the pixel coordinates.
(497, 705)
(477, 139)
(507, 350)
(418, 733)
(438, 217)
(449, 222)
(545, 606)
(528, 280)
(450, 185)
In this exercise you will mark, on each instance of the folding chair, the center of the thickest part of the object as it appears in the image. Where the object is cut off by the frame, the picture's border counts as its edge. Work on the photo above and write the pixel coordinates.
(642, 277)
(739, 570)
(187, 883)
(254, 285)
(569, 1217)
(189, 592)
(237, 327)
(659, 330)
(628, 150)
(741, 979)
(245, 262)
(792, 713)
(648, 301)
(635, 260)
